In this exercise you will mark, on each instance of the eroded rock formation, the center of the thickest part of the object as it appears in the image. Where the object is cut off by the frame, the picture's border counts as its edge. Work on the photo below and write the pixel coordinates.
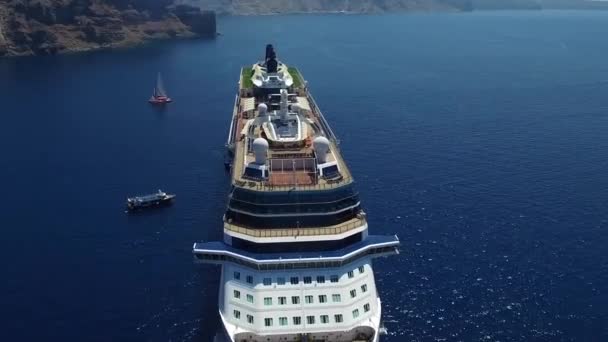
(30, 27)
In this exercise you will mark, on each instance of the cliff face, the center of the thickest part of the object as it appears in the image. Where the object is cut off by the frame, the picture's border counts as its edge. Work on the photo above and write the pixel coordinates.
(251, 7)
(30, 27)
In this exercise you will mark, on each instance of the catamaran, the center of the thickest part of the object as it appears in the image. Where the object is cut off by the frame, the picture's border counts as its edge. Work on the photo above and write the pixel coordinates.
(159, 95)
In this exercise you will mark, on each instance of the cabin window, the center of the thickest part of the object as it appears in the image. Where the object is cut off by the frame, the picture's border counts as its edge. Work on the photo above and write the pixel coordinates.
(361, 269)
(237, 275)
(237, 294)
(353, 293)
(351, 274)
(355, 313)
(295, 300)
(250, 298)
(336, 298)
(268, 322)
(267, 281)
(282, 320)
(334, 278)
(280, 281)
(310, 319)
(308, 299)
(267, 301)
(297, 320)
(294, 280)
(250, 279)
(249, 319)
(324, 319)
(307, 280)
(338, 318)
(322, 299)
(282, 300)
(321, 279)
(366, 307)
(237, 314)
(364, 288)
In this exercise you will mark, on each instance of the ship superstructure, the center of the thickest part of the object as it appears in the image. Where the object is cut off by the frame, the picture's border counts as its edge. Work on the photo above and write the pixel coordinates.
(296, 257)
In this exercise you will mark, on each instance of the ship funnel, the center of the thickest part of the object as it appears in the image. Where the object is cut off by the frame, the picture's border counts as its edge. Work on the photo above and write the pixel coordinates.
(271, 60)
(260, 149)
(269, 52)
(321, 147)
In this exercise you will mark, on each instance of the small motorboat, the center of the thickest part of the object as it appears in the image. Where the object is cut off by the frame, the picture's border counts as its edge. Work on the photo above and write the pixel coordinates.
(159, 95)
(153, 200)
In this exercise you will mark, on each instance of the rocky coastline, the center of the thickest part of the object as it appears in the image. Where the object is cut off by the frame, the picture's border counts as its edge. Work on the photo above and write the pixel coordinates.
(42, 27)
(39, 27)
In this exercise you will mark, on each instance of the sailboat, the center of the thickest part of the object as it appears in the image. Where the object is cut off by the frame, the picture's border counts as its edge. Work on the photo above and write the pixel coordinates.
(159, 96)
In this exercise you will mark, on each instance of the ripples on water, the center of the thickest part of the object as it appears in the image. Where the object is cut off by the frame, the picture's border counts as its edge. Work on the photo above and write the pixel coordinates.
(480, 140)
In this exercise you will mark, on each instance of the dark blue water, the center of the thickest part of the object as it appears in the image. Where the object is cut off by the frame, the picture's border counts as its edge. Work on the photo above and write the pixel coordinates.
(481, 139)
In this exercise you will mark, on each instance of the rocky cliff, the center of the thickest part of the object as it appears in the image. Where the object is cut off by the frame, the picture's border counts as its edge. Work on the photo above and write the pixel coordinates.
(252, 7)
(29, 27)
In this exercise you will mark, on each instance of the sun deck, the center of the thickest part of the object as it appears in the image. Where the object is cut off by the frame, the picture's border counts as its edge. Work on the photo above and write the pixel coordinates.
(290, 127)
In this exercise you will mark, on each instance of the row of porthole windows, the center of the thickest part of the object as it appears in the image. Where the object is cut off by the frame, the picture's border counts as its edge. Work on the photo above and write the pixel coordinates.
(297, 320)
(296, 280)
(308, 299)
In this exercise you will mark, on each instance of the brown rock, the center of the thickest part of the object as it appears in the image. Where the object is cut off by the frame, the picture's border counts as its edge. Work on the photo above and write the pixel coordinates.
(52, 26)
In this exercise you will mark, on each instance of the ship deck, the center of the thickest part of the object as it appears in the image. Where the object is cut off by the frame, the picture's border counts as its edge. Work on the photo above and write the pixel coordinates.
(290, 168)
(300, 233)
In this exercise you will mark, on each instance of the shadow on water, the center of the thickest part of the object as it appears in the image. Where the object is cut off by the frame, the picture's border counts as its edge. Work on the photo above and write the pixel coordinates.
(161, 111)
(150, 212)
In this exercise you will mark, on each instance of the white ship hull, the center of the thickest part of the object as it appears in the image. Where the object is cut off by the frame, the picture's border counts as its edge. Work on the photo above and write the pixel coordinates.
(273, 313)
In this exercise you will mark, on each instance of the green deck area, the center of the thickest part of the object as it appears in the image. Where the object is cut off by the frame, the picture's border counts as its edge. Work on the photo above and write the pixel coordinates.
(247, 74)
(297, 78)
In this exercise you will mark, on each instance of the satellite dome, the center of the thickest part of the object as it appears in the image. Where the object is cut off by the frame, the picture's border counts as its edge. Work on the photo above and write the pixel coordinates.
(321, 147)
(262, 109)
(260, 148)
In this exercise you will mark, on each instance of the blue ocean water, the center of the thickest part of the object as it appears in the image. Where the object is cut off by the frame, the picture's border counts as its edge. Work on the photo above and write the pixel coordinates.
(480, 139)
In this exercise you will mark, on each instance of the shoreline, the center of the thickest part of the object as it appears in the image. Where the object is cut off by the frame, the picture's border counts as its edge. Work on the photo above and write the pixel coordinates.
(140, 39)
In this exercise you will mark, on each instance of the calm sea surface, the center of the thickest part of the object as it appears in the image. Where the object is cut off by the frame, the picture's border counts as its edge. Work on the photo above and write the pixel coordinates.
(480, 139)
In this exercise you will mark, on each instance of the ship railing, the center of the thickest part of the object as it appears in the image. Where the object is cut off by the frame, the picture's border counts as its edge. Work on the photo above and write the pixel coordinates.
(315, 108)
(322, 120)
(233, 123)
(295, 232)
(266, 186)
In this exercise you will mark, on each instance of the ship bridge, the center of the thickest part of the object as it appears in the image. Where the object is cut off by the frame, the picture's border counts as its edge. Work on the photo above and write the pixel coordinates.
(372, 246)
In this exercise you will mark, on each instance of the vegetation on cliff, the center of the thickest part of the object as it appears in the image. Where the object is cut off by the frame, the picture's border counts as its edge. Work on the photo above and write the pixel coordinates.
(30, 27)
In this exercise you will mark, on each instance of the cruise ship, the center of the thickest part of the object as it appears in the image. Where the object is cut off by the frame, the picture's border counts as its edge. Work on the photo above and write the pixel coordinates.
(296, 256)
